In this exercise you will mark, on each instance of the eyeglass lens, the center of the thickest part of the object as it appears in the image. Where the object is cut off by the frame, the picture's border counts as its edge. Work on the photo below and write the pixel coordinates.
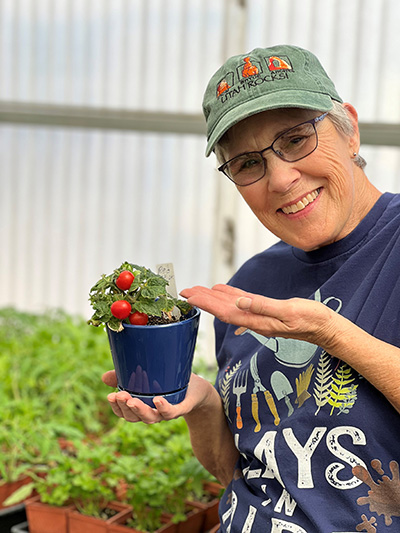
(292, 145)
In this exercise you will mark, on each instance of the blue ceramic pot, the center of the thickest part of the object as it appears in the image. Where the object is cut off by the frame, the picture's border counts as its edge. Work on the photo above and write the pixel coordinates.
(155, 360)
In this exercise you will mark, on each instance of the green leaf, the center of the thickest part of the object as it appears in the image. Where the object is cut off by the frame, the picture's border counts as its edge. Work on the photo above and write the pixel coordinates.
(115, 324)
(19, 495)
(147, 294)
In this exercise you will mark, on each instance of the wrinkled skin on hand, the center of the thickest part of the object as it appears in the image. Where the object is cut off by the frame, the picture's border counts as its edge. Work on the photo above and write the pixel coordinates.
(134, 410)
(296, 318)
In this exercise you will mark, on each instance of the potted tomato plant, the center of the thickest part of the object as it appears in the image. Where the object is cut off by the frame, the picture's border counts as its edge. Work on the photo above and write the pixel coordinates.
(152, 335)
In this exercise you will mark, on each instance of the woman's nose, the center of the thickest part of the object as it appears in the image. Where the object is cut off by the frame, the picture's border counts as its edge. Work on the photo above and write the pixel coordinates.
(281, 175)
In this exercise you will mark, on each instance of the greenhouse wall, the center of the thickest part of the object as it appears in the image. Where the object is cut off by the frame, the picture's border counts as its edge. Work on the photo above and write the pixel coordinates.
(80, 193)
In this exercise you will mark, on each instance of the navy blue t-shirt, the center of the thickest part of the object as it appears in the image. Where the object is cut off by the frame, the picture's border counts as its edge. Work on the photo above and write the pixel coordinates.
(319, 446)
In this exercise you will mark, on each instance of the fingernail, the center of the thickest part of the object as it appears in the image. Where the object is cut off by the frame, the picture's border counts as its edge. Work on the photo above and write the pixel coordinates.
(243, 303)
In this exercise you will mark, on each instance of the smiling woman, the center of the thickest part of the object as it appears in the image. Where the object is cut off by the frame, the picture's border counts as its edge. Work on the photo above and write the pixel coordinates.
(306, 332)
(279, 182)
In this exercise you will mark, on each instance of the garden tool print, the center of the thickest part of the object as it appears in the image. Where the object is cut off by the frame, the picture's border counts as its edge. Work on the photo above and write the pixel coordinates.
(258, 387)
(288, 352)
(292, 352)
(282, 388)
(239, 387)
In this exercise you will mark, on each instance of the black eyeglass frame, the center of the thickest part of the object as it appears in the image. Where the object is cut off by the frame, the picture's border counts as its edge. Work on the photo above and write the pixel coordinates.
(312, 121)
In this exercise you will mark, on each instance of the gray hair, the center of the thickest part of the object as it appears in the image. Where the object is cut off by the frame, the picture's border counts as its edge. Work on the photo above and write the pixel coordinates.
(339, 118)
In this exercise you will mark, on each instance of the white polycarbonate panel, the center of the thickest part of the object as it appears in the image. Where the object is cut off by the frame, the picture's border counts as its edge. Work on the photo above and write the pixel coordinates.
(76, 202)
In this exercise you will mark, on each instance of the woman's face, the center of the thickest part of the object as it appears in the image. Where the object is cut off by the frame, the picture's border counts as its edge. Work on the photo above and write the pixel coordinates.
(326, 183)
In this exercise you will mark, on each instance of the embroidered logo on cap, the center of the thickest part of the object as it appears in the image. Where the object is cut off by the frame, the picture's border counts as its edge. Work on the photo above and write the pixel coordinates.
(222, 87)
(278, 63)
(225, 84)
(251, 73)
(249, 69)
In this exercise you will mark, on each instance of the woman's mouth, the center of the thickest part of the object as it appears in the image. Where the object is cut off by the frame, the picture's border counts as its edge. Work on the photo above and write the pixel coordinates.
(301, 204)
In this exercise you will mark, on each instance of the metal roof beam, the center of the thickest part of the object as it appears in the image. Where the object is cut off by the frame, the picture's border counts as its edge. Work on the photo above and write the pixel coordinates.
(383, 134)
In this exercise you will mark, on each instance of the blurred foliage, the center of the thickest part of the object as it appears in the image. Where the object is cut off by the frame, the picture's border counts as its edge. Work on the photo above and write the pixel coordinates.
(55, 419)
(51, 367)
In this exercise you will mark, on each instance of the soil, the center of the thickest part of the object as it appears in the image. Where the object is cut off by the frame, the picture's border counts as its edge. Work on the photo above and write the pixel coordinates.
(107, 513)
(159, 320)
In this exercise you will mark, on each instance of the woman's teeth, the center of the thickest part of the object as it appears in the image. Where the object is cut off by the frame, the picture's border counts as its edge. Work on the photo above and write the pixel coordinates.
(301, 204)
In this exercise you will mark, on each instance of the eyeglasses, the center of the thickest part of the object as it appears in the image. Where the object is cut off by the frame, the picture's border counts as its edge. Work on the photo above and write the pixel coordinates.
(292, 145)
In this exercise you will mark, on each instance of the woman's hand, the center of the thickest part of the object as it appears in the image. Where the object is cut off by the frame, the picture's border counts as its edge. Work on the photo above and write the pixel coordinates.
(296, 318)
(202, 409)
(134, 410)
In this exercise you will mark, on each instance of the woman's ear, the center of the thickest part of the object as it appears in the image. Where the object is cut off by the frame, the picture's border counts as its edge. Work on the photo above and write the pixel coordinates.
(355, 137)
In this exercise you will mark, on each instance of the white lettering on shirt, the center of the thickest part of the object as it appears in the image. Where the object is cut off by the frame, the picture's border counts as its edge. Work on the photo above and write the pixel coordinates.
(304, 454)
(289, 502)
(332, 442)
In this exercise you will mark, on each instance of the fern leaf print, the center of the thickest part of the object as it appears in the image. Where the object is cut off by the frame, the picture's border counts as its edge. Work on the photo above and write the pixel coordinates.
(349, 400)
(342, 394)
(224, 386)
(323, 381)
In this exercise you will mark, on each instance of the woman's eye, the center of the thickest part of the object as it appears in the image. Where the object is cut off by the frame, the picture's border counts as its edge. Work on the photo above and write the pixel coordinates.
(249, 163)
(297, 140)
(246, 165)
(292, 142)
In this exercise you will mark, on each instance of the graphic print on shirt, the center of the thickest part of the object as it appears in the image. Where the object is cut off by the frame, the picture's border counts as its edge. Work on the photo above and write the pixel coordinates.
(259, 387)
(292, 352)
(334, 387)
(224, 387)
(302, 385)
(239, 388)
(338, 428)
(383, 497)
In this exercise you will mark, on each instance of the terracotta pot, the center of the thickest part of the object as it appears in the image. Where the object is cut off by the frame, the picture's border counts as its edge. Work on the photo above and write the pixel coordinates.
(45, 518)
(211, 506)
(194, 522)
(213, 487)
(212, 517)
(79, 523)
(167, 527)
(6, 489)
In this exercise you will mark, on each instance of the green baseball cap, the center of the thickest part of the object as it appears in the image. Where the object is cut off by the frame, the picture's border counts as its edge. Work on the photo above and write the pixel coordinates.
(265, 78)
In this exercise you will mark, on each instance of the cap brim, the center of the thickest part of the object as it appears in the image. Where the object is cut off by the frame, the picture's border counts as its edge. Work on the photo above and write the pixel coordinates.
(278, 100)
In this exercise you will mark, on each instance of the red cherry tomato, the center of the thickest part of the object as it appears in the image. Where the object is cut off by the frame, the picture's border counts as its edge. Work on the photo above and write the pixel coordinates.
(124, 280)
(138, 319)
(121, 309)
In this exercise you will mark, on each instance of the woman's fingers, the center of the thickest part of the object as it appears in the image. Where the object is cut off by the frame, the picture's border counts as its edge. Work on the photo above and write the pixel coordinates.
(229, 304)
(134, 410)
(112, 400)
(109, 378)
(220, 303)
(295, 318)
(131, 409)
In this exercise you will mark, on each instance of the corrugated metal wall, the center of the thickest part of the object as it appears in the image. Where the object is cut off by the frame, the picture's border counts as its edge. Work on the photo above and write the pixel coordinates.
(76, 202)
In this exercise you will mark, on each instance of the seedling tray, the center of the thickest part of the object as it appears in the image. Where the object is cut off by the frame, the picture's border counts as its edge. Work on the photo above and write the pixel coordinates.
(20, 528)
(11, 516)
